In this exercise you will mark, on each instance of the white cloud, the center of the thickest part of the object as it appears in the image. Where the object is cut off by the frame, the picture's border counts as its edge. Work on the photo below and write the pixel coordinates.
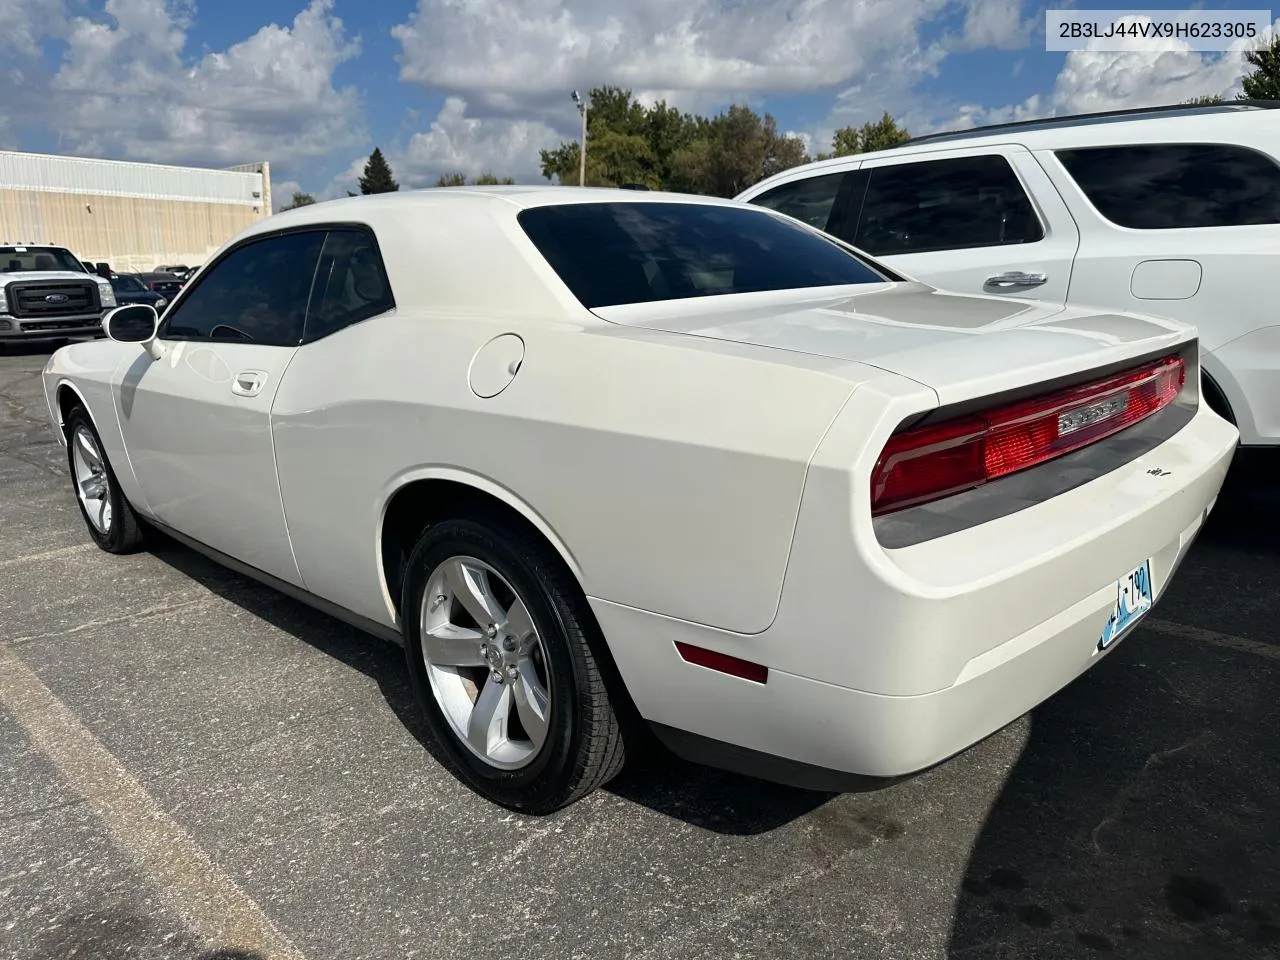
(997, 24)
(488, 50)
(468, 145)
(126, 88)
(1094, 80)
(458, 143)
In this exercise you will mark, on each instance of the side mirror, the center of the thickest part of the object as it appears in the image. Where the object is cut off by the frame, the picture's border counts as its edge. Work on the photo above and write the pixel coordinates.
(134, 323)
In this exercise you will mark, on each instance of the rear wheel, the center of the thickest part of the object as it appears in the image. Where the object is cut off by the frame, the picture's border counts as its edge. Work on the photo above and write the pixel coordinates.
(111, 521)
(502, 654)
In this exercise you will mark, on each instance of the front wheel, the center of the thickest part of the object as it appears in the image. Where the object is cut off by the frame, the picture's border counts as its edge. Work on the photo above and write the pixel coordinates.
(111, 521)
(502, 655)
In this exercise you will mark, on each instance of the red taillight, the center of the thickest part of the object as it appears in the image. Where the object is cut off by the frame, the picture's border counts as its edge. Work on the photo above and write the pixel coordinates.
(932, 462)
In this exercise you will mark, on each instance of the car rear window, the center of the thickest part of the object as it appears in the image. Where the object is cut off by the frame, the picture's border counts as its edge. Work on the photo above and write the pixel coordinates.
(616, 253)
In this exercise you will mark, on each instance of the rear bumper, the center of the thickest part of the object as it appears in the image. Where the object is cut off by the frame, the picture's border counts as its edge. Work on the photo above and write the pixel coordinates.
(55, 328)
(884, 663)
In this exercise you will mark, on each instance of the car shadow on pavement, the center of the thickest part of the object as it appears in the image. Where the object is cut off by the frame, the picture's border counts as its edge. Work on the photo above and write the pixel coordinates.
(1143, 816)
(120, 930)
(703, 797)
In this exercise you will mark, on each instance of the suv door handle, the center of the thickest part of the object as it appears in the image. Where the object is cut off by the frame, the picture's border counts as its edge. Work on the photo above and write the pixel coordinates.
(1016, 279)
(248, 383)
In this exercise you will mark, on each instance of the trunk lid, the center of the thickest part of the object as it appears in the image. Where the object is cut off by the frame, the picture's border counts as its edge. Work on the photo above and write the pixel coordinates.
(961, 346)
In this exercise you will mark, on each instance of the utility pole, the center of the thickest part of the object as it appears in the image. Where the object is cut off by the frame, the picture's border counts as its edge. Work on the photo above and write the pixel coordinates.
(582, 148)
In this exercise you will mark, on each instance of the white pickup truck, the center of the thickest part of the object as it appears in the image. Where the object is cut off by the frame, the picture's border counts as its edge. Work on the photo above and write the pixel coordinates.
(47, 294)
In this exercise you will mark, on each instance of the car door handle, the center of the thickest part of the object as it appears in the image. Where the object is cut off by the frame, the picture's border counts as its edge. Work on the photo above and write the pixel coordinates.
(1016, 280)
(248, 383)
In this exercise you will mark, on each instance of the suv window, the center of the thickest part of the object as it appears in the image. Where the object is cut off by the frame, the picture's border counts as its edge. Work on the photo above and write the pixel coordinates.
(256, 294)
(951, 204)
(1167, 186)
(811, 200)
(351, 284)
(622, 252)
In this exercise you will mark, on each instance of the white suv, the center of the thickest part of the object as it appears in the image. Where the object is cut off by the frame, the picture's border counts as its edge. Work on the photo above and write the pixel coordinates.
(1172, 211)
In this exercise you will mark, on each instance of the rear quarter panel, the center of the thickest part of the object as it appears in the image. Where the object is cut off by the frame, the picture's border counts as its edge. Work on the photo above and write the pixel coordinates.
(668, 470)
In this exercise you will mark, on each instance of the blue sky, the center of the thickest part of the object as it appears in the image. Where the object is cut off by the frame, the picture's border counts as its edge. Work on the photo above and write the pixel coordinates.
(474, 85)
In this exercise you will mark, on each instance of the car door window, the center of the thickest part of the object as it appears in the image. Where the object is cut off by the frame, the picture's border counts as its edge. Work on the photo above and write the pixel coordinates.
(350, 285)
(951, 204)
(813, 199)
(1168, 186)
(257, 293)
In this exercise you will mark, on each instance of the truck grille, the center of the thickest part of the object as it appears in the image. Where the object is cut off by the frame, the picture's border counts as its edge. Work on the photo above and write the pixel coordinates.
(52, 298)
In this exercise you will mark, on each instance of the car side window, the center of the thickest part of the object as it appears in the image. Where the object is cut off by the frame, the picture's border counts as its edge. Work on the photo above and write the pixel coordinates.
(811, 200)
(255, 294)
(1170, 186)
(951, 204)
(351, 283)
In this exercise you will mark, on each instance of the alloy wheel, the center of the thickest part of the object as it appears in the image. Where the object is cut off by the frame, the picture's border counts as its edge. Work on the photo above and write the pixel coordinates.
(486, 662)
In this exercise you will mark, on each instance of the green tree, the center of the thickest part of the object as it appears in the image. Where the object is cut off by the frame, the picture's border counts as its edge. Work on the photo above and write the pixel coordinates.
(1263, 82)
(377, 175)
(1206, 100)
(880, 135)
(299, 199)
(460, 180)
(667, 149)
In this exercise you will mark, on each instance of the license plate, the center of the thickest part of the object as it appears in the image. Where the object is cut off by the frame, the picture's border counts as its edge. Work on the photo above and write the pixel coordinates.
(1133, 600)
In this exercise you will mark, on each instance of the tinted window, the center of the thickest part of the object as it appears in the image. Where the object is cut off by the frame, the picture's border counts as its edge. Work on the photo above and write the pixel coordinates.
(945, 205)
(350, 286)
(256, 294)
(614, 253)
(810, 200)
(1163, 186)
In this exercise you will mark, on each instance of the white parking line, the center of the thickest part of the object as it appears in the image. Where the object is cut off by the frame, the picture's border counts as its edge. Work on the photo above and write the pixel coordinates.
(1269, 650)
(210, 903)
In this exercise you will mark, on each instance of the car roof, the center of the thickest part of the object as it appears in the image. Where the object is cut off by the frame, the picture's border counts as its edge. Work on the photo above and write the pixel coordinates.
(1229, 122)
(520, 197)
(443, 246)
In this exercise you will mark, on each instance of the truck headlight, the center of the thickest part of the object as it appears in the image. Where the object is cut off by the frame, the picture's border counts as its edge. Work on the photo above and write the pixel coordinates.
(106, 295)
(4, 304)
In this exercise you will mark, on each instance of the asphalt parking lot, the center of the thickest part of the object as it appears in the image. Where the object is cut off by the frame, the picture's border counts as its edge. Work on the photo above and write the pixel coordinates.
(193, 767)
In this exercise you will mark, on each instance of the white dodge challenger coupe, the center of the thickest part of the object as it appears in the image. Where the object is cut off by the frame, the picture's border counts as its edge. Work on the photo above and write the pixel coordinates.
(605, 459)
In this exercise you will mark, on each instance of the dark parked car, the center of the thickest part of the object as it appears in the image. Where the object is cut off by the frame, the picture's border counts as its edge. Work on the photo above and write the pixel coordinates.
(165, 284)
(129, 288)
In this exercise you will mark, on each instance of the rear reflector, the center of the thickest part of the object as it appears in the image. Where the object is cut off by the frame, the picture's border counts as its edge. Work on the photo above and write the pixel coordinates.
(723, 663)
(932, 462)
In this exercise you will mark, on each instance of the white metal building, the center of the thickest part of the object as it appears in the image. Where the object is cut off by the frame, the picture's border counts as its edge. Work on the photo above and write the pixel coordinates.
(134, 216)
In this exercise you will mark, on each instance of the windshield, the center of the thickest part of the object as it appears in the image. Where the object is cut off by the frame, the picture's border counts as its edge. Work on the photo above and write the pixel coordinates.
(616, 253)
(26, 259)
(123, 284)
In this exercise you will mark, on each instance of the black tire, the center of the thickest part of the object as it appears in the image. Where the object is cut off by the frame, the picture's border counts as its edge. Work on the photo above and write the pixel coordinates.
(124, 533)
(585, 745)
